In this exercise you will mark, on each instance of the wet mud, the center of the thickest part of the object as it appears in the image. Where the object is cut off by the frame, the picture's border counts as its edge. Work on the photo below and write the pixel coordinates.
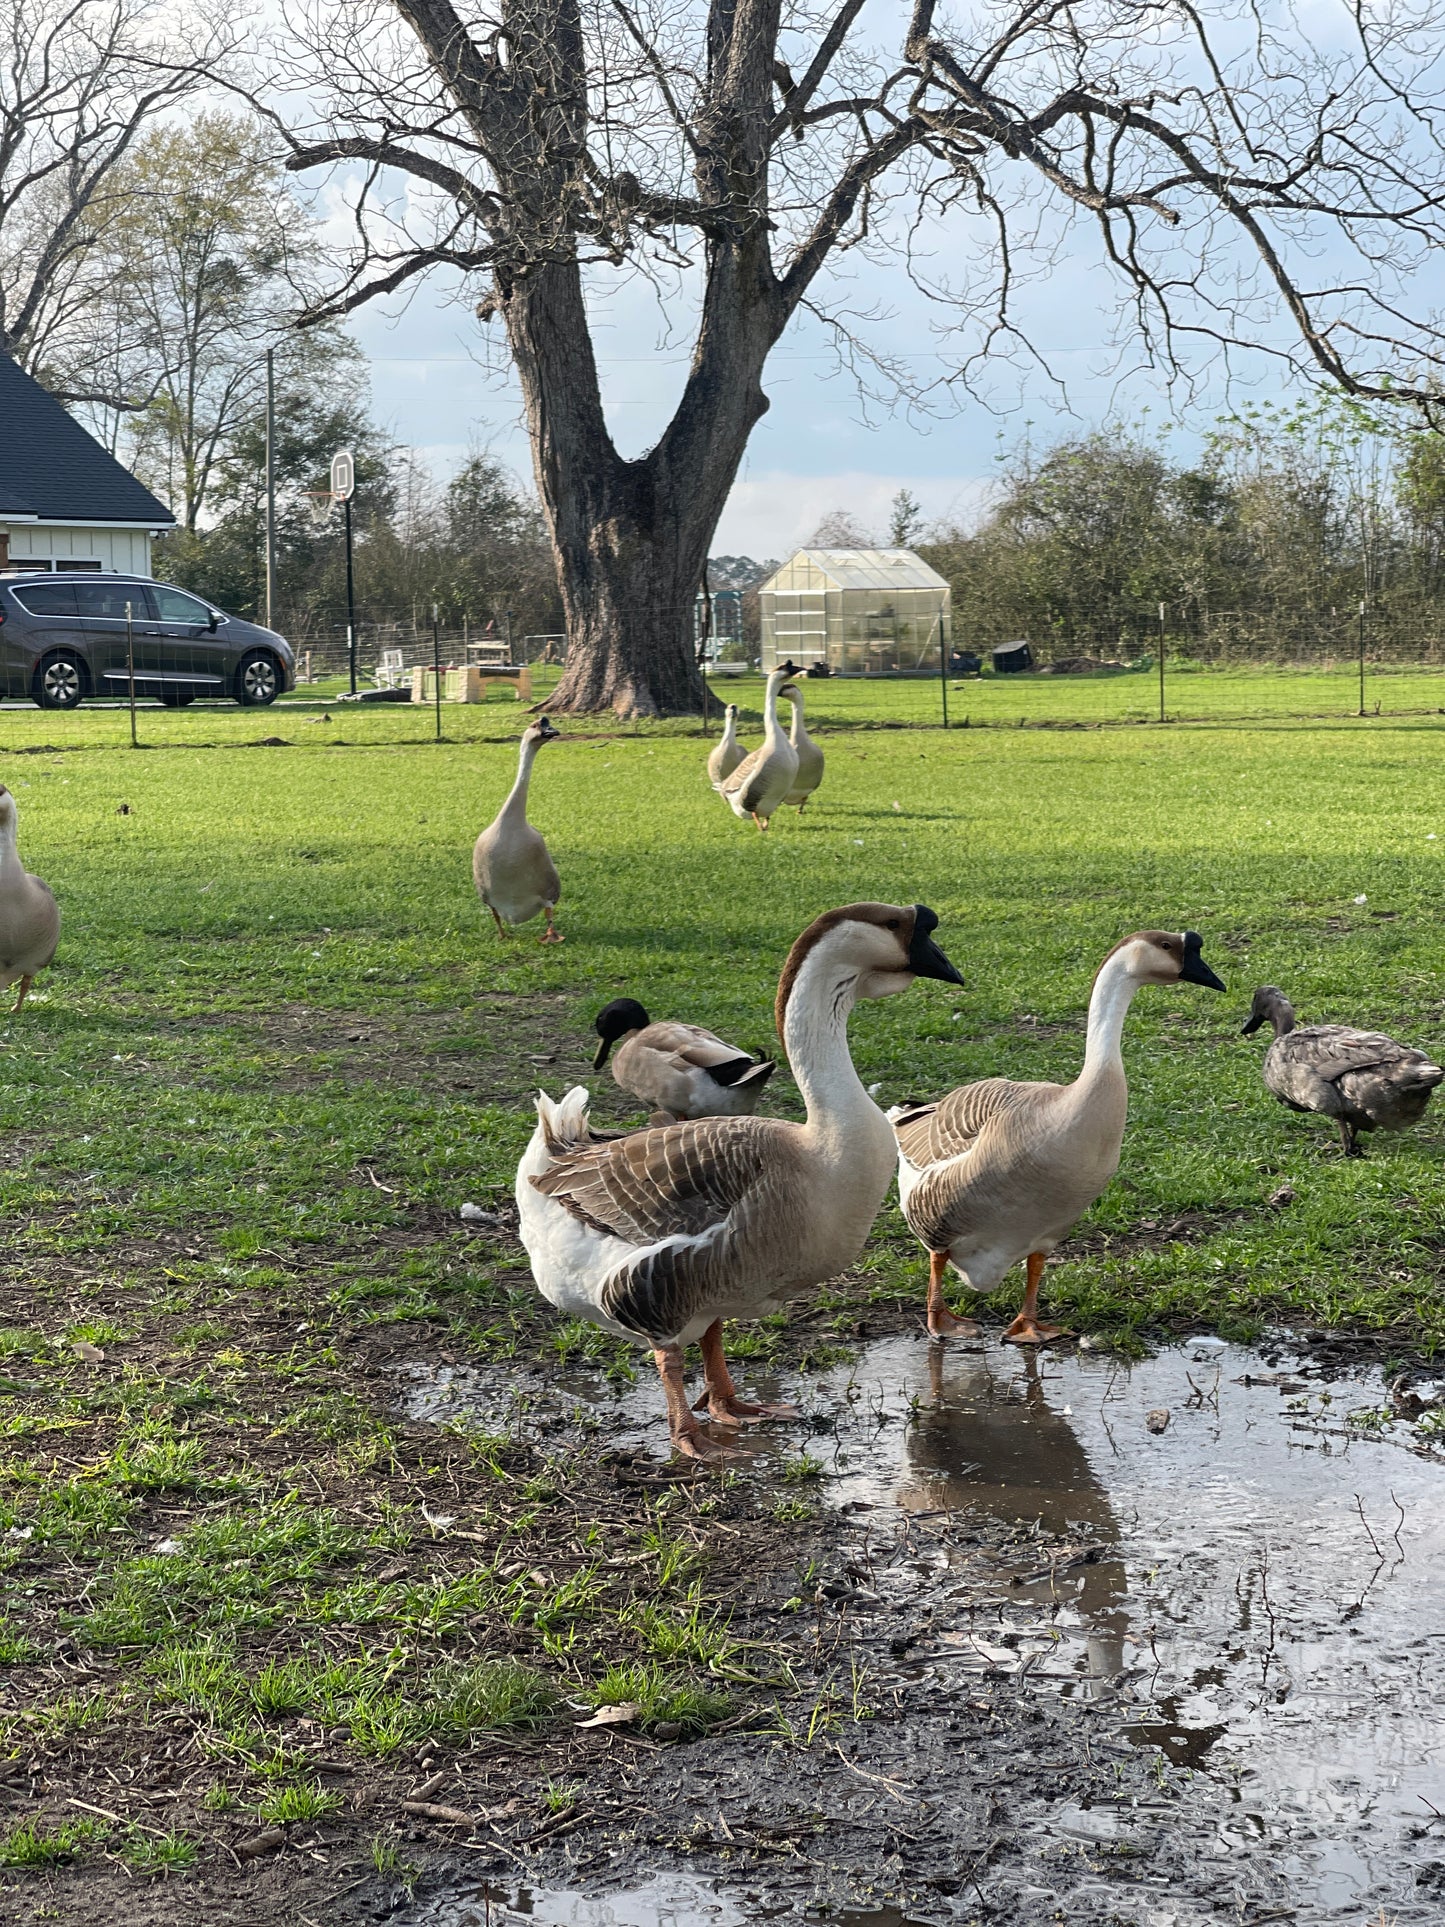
(1158, 1643)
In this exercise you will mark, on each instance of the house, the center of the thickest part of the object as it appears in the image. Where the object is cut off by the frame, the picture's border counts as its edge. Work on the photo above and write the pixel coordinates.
(863, 612)
(65, 503)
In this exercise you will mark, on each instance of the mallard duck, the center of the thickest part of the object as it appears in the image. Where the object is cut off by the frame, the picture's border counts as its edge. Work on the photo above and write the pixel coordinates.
(662, 1235)
(511, 866)
(999, 1171)
(29, 914)
(678, 1070)
(1362, 1079)
(761, 780)
(810, 757)
(727, 753)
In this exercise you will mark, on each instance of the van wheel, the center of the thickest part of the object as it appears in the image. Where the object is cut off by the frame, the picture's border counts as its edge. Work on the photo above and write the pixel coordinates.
(60, 681)
(258, 680)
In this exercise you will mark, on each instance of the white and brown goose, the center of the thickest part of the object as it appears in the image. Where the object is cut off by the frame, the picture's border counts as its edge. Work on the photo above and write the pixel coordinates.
(727, 752)
(661, 1235)
(678, 1070)
(810, 757)
(998, 1171)
(763, 779)
(29, 914)
(1362, 1079)
(511, 864)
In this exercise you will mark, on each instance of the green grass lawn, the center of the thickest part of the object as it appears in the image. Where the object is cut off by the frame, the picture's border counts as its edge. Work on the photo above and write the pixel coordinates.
(281, 1045)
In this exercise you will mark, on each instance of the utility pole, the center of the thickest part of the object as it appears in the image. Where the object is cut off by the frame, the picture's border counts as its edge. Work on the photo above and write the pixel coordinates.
(1362, 657)
(270, 488)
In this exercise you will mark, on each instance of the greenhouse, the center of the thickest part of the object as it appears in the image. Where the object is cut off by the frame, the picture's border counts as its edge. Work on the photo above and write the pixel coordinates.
(864, 612)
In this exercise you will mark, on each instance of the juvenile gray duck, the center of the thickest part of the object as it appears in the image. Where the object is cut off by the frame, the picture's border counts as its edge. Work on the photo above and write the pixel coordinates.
(1362, 1079)
(678, 1070)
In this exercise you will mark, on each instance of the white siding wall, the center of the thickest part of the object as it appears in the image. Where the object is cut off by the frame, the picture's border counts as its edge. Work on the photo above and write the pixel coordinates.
(125, 551)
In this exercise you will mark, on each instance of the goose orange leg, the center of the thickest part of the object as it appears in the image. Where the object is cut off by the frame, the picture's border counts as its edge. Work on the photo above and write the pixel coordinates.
(502, 931)
(721, 1396)
(942, 1323)
(1028, 1328)
(25, 983)
(688, 1436)
(551, 934)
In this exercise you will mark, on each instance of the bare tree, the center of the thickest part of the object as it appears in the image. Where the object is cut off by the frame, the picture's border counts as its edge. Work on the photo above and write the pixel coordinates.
(1252, 184)
(79, 79)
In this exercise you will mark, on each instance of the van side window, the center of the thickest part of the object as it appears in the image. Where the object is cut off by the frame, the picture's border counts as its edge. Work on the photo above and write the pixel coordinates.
(174, 605)
(108, 599)
(47, 598)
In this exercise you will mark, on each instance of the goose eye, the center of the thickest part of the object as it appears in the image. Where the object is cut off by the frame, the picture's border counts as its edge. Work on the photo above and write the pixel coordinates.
(894, 923)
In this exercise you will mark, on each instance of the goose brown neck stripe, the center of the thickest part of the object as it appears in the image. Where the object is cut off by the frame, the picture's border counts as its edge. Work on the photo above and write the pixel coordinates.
(879, 913)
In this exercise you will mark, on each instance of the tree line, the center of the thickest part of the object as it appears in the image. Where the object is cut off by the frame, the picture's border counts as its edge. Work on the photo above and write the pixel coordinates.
(1265, 543)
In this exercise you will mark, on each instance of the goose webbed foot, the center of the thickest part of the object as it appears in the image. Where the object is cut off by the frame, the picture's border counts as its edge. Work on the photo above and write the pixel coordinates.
(1034, 1331)
(688, 1437)
(1352, 1145)
(943, 1324)
(551, 934)
(721, 1395)
(1028, 1328)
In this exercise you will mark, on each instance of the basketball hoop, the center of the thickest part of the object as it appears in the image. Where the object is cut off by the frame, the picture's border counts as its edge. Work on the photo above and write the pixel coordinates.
(319, 505)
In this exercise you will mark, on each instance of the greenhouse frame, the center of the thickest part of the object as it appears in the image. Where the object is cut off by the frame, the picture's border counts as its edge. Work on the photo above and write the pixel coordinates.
(864, 612)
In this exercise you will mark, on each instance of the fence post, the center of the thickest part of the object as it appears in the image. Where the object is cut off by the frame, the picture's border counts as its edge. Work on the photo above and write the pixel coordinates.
(1362, 656)
(1161, 662)
(943, 669)
(436, 665)
(130, 672)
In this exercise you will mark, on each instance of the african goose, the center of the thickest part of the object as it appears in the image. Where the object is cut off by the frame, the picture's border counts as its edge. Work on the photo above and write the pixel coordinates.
(999, 1171)
(760, 782)
(1363, 1080)
(661, 1235)
(728, 753)
(29, 915)
(810, 757)
(514, 874)
(678, 1070)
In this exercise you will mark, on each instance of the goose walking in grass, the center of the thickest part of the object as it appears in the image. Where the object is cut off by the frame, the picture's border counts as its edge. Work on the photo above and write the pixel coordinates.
(727, 753)
(511, 865)
(810, 757)
(29, 914)
(997, 1171)
(661, 1235)
(678, 1070)
(1360, 1078)
(762, 780)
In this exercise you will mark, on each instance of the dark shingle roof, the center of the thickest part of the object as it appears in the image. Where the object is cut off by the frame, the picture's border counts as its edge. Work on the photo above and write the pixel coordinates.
(51, 468)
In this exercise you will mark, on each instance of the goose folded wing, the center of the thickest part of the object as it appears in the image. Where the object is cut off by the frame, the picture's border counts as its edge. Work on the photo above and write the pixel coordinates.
(933, 1133)
(678, 1181)
(1334, 1051)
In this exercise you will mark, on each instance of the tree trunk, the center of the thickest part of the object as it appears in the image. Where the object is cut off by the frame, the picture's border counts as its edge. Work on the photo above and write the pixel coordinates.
(631, 539)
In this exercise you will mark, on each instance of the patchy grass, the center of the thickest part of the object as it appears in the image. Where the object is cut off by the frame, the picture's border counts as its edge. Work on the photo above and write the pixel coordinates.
(280, 1048)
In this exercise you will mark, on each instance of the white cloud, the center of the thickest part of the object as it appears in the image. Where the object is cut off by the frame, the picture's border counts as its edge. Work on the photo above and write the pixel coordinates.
(773, 512)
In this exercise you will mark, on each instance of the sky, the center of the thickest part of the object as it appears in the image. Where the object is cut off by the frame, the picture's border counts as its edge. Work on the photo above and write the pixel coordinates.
(819, 447)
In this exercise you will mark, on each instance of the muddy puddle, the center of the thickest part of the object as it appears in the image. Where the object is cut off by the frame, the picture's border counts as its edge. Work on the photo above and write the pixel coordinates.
(1232, 1559)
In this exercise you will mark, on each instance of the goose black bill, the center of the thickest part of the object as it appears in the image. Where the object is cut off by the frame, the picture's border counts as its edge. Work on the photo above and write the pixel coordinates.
(925, 959)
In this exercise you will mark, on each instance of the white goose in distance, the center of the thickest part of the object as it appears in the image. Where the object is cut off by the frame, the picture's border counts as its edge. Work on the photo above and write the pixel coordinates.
(762, 780)
(29, 914)
(727, 752)
(661, 1235)
(997, 1171)
(511, 864)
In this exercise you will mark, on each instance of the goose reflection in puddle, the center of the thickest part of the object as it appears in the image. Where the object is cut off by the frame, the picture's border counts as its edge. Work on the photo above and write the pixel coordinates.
(989, 1442)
